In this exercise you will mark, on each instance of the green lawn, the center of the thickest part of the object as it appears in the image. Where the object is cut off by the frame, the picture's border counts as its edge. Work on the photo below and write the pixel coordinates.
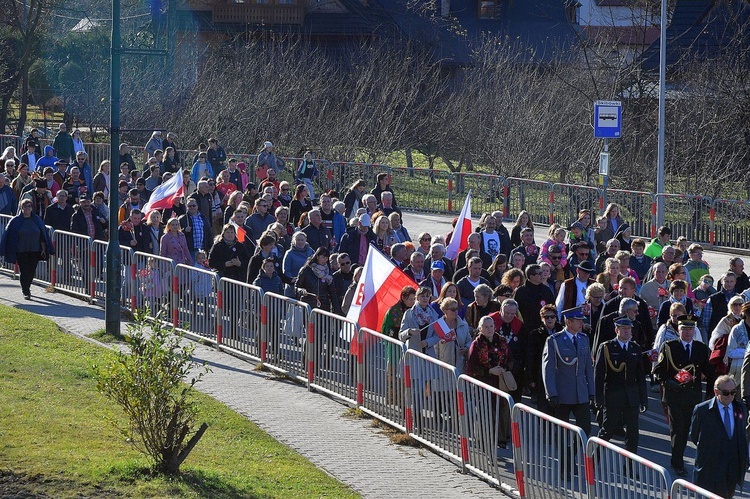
(57, 440)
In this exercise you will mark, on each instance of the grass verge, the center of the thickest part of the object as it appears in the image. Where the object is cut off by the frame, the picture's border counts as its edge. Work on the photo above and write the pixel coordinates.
(57, 440)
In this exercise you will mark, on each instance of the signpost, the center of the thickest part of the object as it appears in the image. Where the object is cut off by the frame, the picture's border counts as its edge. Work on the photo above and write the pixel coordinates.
(607, 125)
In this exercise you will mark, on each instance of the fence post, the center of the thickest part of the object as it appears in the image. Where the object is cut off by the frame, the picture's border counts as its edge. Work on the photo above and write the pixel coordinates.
(653, 217)
(360, 368)
(263, 330)
(450, 192)
(516, 437)
(52, 262)
(92, 267)
(551, 205)
(409, 402)
(463, 426)
(310, 352)
(221, 312)
(506, 199)
(712, 226)
(175, 298)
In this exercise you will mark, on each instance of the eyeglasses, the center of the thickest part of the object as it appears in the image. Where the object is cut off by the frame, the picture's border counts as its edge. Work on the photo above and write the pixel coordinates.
(285, 189)
(425, 239)
(506, 295)
(345, 263)
(727, 393)
(550, 317)
(555, 257)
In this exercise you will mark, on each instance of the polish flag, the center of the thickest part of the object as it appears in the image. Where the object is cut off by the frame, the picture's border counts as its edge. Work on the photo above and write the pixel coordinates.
(164, 195)
(444, 332)
(459, 239)
(241, 233)
(378, 289)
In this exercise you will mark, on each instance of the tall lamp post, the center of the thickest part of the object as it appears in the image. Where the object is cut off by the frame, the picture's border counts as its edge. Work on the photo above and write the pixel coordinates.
(662, 115)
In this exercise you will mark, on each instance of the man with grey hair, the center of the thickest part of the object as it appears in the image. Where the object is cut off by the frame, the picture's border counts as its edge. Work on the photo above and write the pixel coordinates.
(437, 254)
(415, 270)
(399, 255)
(318, 236)
(202, 196)
(512, 328)
(59, 213)
(605, 329)
(613, 246)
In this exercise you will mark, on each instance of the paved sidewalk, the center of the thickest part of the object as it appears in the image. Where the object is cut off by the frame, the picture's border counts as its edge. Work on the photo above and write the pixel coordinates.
(312, 424)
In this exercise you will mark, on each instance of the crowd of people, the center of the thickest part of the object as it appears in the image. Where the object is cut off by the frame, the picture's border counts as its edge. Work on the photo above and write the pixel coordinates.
(583, 322)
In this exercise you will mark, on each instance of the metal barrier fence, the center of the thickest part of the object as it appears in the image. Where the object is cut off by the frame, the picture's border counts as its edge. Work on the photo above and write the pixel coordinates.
(345, 174)
(682, 489)
(432, 415)
(332, 368)
(196, 297)
(637, 208)
(550, 457)
(380, 391)
(239, 328)
(154, 287)
(534, 196)
(731, 222)
(285, 335)
(614, 473)
(45, 269)
(569, 199)
(73, 263)
(99, 282)
(487, 192)
(421, 189)
(485, 423)
(687, 215)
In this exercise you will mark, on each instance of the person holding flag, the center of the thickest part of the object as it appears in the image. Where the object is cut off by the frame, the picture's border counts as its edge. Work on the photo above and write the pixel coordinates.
(460, 237)
(417, 326)
(454, 336)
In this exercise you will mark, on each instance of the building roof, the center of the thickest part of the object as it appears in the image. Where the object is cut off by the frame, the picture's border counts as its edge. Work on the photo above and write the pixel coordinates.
(704, 29)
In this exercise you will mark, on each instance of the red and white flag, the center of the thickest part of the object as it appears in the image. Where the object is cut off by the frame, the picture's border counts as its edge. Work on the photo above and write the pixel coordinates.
(459, 239)
(378, 289)
(444, 332)
(164, 195)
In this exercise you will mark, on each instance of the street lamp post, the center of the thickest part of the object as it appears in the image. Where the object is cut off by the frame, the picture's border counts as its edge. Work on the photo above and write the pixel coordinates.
(662, 115)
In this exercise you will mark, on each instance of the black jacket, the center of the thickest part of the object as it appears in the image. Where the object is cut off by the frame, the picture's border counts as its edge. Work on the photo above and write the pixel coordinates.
(186, 222)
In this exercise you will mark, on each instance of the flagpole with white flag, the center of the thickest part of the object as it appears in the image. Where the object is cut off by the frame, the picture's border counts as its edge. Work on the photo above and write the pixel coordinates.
(459, 241)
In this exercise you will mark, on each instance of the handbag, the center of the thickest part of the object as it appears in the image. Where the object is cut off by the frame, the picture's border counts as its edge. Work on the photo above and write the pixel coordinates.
(507, 382)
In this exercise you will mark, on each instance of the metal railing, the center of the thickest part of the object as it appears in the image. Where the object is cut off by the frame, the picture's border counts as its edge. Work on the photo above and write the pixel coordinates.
(240, 306)
(682, 489)
(285, 335)
(196, 299)
(432, 416)
(380, 389)
(615, 473)
(485, 423)
(549, 453)
(332, 367)
(155, 287)
(73, 263)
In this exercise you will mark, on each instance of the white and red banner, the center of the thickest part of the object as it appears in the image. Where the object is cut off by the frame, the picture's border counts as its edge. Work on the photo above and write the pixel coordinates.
(459, 239)
(378, 289)
(164, 195)
(444, 332)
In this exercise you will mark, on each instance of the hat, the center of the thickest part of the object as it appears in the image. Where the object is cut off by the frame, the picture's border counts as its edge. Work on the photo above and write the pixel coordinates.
(267, 144)
(40, 182)
(623, 228)
(686, 320)
(577, 225)
(437, 264)
(242, 166)
(586, 266)
(48, 170)
(623, 321)
(140, 181)
(122, 183)
(61, 162)
(364, 219)
(84, 196)
(573, 313)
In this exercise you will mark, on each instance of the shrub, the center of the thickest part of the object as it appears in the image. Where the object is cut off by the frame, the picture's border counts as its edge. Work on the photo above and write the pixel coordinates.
(148, 384)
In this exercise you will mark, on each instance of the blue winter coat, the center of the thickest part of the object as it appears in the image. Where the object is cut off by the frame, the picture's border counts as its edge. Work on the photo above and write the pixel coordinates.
(8, 243)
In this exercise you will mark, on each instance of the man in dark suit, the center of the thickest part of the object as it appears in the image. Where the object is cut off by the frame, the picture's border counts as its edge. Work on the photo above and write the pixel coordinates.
(681, 365)
(718, 431)
(620, 384)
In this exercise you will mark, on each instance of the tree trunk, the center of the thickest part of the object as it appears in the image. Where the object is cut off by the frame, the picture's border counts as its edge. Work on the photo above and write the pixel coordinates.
(4, 112)
(24, 98)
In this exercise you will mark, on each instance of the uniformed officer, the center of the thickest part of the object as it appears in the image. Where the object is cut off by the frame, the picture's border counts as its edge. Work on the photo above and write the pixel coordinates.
(567, 371)
(620, 384)
(681, 366)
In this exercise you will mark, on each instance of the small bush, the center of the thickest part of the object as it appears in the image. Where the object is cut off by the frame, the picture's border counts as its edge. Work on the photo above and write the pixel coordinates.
(148, 384)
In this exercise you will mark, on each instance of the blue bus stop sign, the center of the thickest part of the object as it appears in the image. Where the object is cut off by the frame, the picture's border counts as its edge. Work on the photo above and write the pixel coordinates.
(607, 119)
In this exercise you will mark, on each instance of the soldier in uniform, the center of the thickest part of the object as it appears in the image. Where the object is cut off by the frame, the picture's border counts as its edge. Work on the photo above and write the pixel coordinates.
(620, 384)
(681, 366)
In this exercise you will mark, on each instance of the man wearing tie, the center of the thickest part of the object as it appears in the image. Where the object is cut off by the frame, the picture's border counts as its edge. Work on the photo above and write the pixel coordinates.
(681, 366)
(718, 431)
(620, 384)
(567, 371)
